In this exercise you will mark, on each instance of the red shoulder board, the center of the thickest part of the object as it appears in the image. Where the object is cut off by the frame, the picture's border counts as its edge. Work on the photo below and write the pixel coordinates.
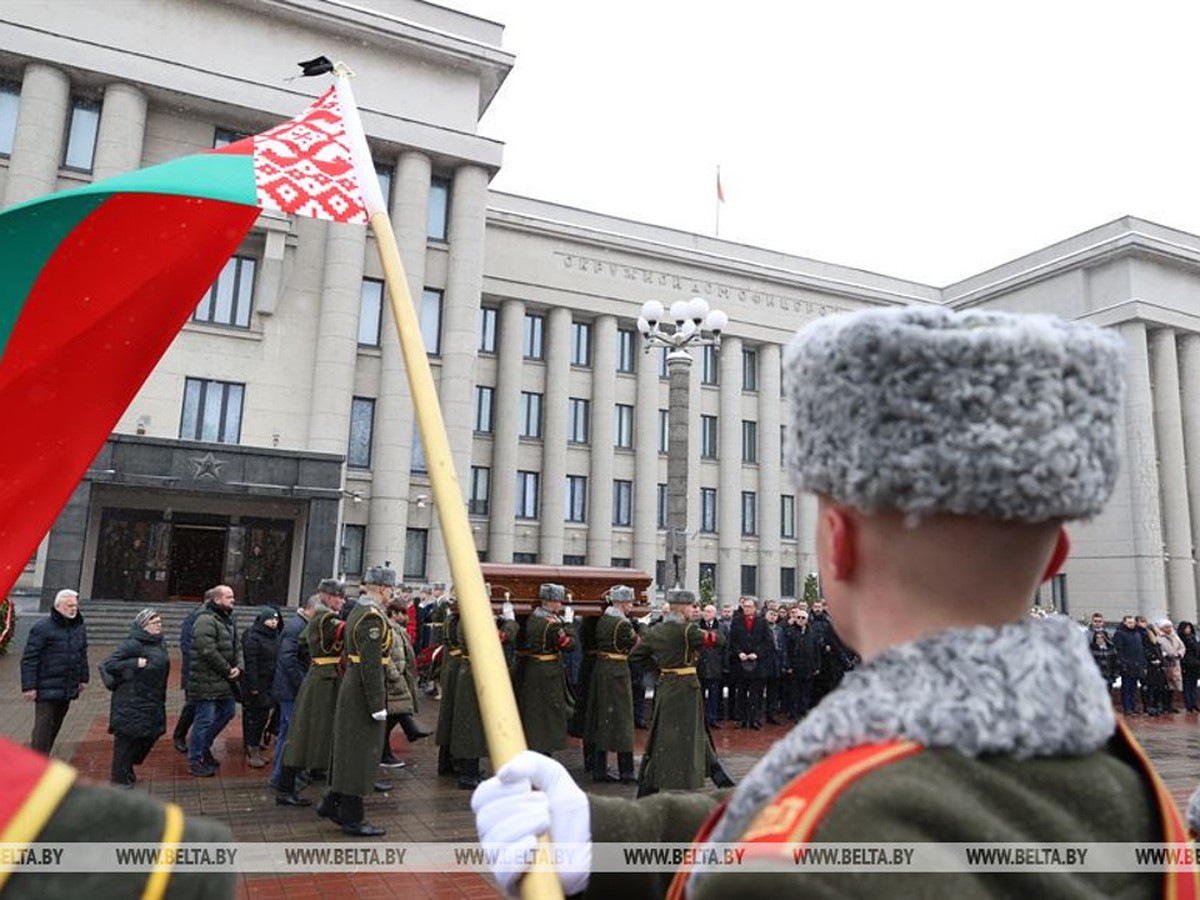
(34, 786)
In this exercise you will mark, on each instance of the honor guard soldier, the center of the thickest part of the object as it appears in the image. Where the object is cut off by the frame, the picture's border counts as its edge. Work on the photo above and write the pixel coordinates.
(359, 721)
(448, 688)
(541, 682)
(946, 450)
(309, 744)
(609, 726)
(467, 739)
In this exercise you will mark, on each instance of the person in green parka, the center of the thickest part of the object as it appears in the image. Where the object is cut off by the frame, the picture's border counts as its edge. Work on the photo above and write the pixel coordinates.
(679, 754)
(609, 724)
(358, 721)
(541, 682)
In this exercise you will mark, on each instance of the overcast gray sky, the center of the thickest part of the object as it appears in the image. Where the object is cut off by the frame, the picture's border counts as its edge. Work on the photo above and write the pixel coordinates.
(925, 140)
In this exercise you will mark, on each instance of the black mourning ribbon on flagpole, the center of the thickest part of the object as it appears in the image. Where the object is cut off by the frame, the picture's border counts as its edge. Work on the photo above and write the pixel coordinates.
(319, 66)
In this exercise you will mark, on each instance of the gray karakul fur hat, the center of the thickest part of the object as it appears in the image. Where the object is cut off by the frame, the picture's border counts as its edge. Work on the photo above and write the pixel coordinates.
(332, 586)
(620, 593)
(550, 591)
(383, 575)
(979, 413)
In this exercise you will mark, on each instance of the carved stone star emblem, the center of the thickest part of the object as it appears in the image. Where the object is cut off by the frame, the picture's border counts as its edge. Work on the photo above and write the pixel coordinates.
(207, 466)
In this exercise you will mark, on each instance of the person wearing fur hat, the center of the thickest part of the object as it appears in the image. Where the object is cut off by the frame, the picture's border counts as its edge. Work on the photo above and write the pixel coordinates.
(946, 451)
(138, 670)
(541, 682)
(609, 722)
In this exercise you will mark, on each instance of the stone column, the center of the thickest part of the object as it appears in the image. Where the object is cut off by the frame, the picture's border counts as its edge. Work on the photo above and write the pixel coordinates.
(1142, 466)
(1168, 431)
(645, 477)
(505, 415)
(729, 455)
(691, 520)
(604, 391)
(41, 131)
(554, 435)
(679, 485)
(1189, 363)
(122, 131)
(392, 456)
(460, 333)
(769, 490)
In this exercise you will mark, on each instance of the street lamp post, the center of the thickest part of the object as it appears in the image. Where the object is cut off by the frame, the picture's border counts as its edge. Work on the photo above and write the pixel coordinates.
(688, 323)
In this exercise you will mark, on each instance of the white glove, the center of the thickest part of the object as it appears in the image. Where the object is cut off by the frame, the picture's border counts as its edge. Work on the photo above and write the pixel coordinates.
(568, 615)
(531, 794)
(380, 715)
(507, 612)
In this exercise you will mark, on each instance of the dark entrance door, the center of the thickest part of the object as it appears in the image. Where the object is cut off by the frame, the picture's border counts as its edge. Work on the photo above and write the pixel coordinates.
(197, 560)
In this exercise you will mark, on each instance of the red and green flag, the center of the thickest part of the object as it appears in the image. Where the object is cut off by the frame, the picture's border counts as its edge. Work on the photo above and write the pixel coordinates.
(97, 281)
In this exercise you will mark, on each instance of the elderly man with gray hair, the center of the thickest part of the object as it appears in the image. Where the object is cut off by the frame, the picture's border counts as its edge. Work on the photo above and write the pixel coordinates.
(54, 668)
(947, 451)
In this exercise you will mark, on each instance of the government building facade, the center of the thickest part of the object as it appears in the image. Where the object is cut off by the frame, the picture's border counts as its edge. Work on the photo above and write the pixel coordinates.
(275, 442)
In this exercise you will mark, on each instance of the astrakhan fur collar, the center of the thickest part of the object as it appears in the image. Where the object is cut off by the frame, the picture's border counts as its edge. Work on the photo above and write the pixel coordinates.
(1026, 689)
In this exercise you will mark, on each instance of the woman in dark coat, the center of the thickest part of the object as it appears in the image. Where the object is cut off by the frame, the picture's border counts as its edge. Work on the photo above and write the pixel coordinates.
(138, 669)
(260, 647)
(1190, 663)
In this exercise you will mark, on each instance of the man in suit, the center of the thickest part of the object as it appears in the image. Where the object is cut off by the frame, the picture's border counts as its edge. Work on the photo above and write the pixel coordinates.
(749, 645)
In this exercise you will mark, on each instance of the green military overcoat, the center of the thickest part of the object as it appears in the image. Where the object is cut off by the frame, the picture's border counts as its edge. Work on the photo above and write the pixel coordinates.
(451, 640)
(678, 751)
(310, 735)
(542, 683)
(610, 698)
(467, 739)
(357, 736)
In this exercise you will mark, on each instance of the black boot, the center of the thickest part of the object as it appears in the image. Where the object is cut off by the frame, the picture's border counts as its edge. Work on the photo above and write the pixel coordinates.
(353, 822)
(720, 777)
(600, 773)
(589, 756)
(625, 767)
(412, 730)
(468, 773)
(445, 761)
(645, 790)
(285, 792)
(330, 807)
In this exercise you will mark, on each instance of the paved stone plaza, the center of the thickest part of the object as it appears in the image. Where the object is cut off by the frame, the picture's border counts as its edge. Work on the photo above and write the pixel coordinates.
(422, 807)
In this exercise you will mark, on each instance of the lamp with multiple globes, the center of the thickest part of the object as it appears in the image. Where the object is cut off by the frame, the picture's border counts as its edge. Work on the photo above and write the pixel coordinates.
(687, 323)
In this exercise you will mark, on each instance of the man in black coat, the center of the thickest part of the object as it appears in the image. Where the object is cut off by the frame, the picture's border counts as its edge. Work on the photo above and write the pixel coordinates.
(291, 665)
(1131, 660)
(802, 656)
(710, 666)
(187, 715)
(749, 646)
(54, 668)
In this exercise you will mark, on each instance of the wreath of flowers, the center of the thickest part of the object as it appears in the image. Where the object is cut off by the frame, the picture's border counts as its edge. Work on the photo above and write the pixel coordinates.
(8, 622)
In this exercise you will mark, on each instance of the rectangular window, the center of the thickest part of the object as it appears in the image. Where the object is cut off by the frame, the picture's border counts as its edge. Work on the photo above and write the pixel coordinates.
(783, 445)
(417, 457)
(487, 329)
(625, 350)
(575, 499)
(749, 580)
(579, 416)
(484, 398)
(529, 559)
(708, 365)
(708, 573)
(581, 343)
(749, 370)
(660, 572)
(787, 516)
(623, 503)
(708, 509)
(229, 299)
(416, 549)
(10, 101)
(370, 312)
(362, 425)
(481, 490)
(708, 437)
(82, 127)
(223, 137)
(664, 431)
(532, 347)
(661, 506)
(431, 320)
(386, 175)
(574, 559)
(621, 562)
(787, 582)
(623, 426)
(437, 227)
(531, 414)
(212, 411)
(527, 495)
(663, 371)
(354, 540)
(749, 441)
(749, 513)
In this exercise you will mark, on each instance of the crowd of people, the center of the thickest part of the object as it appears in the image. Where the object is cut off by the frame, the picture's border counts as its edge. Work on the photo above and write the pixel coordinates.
(1152, 661)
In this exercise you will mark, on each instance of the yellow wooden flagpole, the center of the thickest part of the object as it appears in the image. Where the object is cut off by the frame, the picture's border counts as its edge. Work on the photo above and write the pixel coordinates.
(497, 705)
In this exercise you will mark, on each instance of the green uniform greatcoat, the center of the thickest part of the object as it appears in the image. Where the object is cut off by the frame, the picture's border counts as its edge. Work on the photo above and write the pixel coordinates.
(467, 738)
(452, 640)
(610, 698)
(310, 734)
(542, 683)
(356, 736)
(678, 752)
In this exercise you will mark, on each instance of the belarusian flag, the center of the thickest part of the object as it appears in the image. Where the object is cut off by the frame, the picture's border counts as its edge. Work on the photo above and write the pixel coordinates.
(97, 282)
